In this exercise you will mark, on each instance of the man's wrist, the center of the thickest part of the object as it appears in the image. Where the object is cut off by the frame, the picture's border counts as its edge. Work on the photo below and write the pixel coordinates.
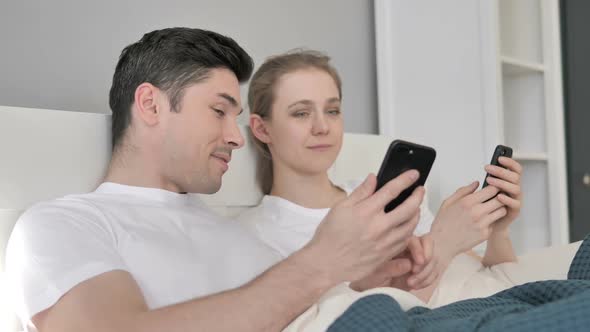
(317, 273)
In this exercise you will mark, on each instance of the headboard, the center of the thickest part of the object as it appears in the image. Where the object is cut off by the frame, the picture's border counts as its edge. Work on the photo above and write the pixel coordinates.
(49, 153)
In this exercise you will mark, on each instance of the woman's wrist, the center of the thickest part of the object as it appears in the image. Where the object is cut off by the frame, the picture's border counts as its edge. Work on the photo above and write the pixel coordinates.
(500, 233)
(443, 250)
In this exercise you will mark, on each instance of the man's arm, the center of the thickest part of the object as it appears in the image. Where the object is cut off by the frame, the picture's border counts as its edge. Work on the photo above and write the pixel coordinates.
(113, 302)
(355, 238)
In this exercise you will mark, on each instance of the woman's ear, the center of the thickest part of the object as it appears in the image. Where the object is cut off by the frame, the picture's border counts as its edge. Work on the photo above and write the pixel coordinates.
(258, 128)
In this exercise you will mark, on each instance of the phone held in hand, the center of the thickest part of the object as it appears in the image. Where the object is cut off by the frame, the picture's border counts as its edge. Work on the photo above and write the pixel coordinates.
(400, 157)
(500, 151)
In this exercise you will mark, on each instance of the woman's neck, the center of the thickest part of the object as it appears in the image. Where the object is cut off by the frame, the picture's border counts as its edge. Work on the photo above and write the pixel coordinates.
(310, 191)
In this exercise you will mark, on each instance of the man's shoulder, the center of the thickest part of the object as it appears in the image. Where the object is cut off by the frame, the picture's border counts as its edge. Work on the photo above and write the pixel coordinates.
(71, 207)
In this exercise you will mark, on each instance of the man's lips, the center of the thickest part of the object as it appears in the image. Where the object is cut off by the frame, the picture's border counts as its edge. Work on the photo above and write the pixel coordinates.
(223, 156)
(320, 147)
(223, 160)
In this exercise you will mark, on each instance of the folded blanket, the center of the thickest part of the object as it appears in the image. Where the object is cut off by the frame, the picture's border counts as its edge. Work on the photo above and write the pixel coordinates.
(332, 304)
(538, 306)
(465, 278)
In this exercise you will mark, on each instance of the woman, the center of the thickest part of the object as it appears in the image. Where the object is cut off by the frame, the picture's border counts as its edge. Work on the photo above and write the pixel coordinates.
(296, 123)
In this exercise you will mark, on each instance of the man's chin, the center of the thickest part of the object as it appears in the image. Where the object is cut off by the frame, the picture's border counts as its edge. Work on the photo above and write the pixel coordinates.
(212, 188)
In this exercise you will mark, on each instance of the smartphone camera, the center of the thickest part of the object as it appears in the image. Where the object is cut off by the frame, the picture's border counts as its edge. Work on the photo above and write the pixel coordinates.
(411, 151)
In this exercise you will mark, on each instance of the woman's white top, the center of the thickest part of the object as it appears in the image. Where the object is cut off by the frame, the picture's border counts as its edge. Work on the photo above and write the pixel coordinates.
(287, 227)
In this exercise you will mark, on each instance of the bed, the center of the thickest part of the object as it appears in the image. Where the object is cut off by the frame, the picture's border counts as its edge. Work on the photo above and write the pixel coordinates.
(51, 153)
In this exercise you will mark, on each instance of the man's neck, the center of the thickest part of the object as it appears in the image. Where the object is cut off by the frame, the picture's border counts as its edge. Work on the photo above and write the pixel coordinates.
(133, 170)
(310, 191)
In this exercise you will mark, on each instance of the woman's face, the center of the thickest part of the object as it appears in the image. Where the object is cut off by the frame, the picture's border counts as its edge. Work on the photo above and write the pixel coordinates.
(305, 128)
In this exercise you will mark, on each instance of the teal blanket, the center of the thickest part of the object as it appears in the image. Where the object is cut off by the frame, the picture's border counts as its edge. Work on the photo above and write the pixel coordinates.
(554, 305)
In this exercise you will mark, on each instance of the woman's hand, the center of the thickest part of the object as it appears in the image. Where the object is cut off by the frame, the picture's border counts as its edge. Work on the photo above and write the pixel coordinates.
(508, 181)
(465, 220)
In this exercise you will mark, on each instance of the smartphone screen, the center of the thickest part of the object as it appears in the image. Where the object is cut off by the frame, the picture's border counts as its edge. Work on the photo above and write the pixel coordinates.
(400, 157)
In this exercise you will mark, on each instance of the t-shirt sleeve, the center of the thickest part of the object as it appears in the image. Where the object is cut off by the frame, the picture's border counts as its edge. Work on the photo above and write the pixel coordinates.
(54, 247)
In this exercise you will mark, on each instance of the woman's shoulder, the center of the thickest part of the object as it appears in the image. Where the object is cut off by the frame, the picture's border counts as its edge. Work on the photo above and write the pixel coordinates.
(252, 215)
(277, 212)
(349, 185)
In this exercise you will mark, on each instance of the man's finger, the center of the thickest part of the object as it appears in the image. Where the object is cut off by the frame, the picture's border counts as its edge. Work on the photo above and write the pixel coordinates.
(428, 246)
(397, 267)
(391, 190)
(418, 279)
(430, 279)
(362, 192)
(408, 209)
(415, 247)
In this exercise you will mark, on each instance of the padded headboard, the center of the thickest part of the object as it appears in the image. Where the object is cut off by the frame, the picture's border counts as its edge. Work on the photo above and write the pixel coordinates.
(48, 154)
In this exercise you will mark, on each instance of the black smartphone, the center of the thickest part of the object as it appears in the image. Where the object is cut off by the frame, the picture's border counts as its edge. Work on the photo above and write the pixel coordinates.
(400, 157)
(500, 151)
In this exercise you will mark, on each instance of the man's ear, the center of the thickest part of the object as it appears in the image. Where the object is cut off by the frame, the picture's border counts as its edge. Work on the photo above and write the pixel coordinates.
(258, 127)
(146, 105)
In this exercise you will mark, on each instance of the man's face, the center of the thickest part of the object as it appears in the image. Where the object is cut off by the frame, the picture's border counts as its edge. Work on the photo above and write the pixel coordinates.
(199, 139)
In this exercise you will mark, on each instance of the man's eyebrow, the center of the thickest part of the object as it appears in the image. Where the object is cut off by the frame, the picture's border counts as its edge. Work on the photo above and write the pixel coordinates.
(229, 98)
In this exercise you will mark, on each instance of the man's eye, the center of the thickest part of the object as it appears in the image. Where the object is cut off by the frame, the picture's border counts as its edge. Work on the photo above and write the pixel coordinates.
(220, 113)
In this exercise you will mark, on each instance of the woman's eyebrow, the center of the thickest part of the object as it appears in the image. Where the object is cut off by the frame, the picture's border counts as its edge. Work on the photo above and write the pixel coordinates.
(305, 102)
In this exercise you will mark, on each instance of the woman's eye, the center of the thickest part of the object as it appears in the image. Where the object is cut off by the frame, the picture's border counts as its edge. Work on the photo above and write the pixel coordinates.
(334, 112)
(300, 114)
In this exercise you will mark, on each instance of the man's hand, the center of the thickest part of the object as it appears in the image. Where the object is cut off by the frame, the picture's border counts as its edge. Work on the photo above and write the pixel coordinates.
(357, 236)
(392, 273)
(412, 269)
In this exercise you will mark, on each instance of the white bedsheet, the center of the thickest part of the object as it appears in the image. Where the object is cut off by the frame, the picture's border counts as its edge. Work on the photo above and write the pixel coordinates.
(465, 278)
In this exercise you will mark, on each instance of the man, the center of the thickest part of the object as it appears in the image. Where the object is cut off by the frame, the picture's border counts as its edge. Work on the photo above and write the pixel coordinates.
(140, 254)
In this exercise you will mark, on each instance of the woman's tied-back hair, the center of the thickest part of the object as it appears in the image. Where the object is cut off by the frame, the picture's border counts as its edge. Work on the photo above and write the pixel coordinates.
(172, 60)
(261, 97)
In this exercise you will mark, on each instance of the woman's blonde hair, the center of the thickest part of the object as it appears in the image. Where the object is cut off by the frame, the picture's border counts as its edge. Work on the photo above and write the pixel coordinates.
(261, 97)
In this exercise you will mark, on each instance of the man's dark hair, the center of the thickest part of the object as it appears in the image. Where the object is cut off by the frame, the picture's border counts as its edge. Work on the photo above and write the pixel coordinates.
(171, 59)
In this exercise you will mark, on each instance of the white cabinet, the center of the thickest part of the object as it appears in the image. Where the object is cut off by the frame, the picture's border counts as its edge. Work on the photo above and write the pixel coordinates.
(466, 75)
(526, 81)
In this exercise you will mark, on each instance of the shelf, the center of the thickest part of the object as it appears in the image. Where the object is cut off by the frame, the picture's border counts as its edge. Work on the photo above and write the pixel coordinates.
(521, 29)
(530, 156)
(512, 66)
(524, 112)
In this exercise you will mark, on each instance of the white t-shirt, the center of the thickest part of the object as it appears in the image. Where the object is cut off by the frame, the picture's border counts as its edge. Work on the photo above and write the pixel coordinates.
(287, 227)
(172, 245)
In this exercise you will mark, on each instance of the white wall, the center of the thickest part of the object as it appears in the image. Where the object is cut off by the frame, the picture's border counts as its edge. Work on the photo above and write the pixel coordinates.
(436, 86)
(61, 54)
